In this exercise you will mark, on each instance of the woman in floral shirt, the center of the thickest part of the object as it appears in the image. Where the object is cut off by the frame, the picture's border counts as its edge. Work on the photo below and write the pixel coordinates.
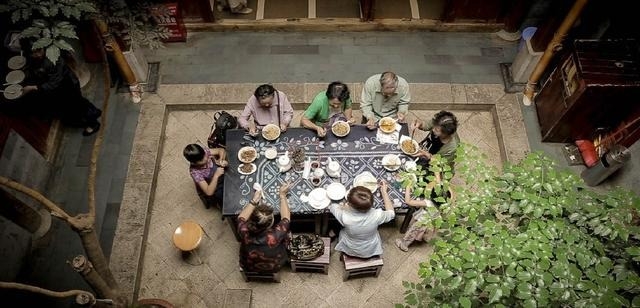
(263, 246)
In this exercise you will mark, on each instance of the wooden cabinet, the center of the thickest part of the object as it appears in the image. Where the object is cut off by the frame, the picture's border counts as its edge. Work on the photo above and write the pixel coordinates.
(596, 85)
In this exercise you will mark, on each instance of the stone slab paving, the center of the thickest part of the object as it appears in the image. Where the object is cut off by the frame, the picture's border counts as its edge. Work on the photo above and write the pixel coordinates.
(159, 195)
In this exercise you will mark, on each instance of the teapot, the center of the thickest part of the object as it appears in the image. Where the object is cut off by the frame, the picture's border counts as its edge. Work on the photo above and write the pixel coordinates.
(333, 168)
(284, 163)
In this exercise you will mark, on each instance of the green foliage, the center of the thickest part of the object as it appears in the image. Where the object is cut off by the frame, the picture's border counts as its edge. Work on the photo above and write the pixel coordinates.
(530, 236)
(135, 21)
(51, 23)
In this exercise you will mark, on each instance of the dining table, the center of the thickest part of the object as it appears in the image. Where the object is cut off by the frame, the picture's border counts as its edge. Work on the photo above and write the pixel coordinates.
(358, 152)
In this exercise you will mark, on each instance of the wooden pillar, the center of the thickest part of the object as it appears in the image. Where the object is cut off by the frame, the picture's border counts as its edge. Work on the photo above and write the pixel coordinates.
(552, 48)
(367, 9)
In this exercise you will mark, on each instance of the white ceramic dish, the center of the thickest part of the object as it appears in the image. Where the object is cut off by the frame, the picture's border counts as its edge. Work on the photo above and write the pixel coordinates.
(410, 165)
(271, 153)
(336, 191)
(15, 77)
(338, 124)
(367, 180)
(13, 91)
(318, 198)
(416, 146)
(253, 169)
(246, 150)
(391, 162)
(387, 125)
(271, 132)
(16, 62)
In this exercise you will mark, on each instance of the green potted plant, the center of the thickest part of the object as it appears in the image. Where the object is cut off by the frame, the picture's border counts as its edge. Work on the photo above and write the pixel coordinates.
(50, 23)
(529, 236)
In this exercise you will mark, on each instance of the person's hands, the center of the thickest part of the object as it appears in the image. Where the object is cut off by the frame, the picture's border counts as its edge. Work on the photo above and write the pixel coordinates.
(422, 153)
(401, 117)
(384, 187)
(414, 125)
(321, 131)
(407, 194)
(222, 163)
(27, 89)
(253, 131)
(284, 188)
(352, 121)
(283, 128)
(219, 172)
(257, 195)
(371, 123)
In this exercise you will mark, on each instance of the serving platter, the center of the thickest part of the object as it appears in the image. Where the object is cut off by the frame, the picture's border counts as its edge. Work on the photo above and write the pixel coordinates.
(247, 154)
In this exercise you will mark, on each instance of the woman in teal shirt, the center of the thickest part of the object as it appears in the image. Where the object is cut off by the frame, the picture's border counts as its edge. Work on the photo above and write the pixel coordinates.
(327, 107)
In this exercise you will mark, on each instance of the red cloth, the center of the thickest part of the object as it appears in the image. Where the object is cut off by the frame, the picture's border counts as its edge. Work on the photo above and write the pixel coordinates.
(588, 151)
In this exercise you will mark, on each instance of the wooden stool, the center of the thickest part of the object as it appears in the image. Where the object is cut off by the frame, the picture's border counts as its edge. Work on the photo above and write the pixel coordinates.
(360, 267)
(320, 263)
(253, 276)
(188, 236)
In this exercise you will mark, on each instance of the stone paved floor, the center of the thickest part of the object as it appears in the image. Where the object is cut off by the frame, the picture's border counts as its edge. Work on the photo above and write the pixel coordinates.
(181, 114)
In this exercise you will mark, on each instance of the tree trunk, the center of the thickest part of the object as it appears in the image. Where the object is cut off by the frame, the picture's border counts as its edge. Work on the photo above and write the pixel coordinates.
(94, 252)
(85, 268)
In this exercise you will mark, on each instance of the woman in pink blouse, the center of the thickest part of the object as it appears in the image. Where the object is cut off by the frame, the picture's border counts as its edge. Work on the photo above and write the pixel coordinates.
(267, 106)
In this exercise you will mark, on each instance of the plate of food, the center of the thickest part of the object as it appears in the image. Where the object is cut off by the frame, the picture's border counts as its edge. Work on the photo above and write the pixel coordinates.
(13, 91)
(340, 128)
(391, 162)
(387, 125)
(409, 146)
(247, 169)
(271, 132)
(247, 154)
(14, 77)
(16, 62)
(271, 153)
(367, 180)
(336, 191)
(318, 198)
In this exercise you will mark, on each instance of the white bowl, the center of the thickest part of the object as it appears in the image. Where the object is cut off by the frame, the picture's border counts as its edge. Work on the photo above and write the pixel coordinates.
(391, 162)
(410, 165)
(318, 198)
(272, 129)
(336, 191)
(246, 149)
(341, 123)
(271, 153)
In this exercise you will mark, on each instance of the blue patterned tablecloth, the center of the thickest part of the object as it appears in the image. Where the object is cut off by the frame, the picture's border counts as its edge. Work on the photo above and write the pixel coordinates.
(358, 152)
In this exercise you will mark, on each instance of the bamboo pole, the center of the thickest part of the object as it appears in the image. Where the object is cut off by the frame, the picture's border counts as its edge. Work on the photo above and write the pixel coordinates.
(83, 266)
(82, 297)
(554, 46)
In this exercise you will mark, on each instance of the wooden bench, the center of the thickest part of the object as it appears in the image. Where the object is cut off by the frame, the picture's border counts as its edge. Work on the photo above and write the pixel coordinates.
(255, 276)
(356, 267)
(320, 263)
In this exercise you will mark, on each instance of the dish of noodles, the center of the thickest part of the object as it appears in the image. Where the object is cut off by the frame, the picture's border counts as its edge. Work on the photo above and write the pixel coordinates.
(271, 132)
(247, 169)
(409, 146)
(340, 128)
(387, 125)
(247, 154)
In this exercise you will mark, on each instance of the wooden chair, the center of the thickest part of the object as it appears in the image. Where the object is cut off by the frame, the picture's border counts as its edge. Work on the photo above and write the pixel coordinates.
(255, 276)
(320, 263)
(357, 267)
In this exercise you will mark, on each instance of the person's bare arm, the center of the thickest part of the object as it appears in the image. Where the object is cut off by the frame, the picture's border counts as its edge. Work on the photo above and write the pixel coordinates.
(349, 114)
(210, 188)
(384, 188)
(219, 156)
(248, 209)
(310, 125)
(410, 201)
(285, 212)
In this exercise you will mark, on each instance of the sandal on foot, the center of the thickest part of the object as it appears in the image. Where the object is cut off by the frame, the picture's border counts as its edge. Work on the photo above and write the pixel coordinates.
(94, 129)
(401, 245)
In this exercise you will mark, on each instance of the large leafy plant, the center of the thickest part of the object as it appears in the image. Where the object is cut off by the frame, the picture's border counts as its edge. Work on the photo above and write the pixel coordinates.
(530, 236)
(50, 23)
(136, 22)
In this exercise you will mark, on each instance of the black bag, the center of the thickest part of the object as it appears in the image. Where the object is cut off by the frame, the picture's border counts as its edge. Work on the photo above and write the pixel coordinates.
(222, 121)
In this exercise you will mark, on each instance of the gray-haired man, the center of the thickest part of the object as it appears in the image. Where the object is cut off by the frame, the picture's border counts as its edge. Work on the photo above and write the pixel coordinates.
(384, 95)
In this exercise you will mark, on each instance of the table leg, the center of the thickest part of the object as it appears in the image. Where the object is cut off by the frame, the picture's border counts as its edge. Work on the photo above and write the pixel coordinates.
(233, 223)
(407, 220)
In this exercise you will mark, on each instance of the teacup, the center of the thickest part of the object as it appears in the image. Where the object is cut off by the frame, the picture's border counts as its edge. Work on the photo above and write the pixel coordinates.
(410, 165)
